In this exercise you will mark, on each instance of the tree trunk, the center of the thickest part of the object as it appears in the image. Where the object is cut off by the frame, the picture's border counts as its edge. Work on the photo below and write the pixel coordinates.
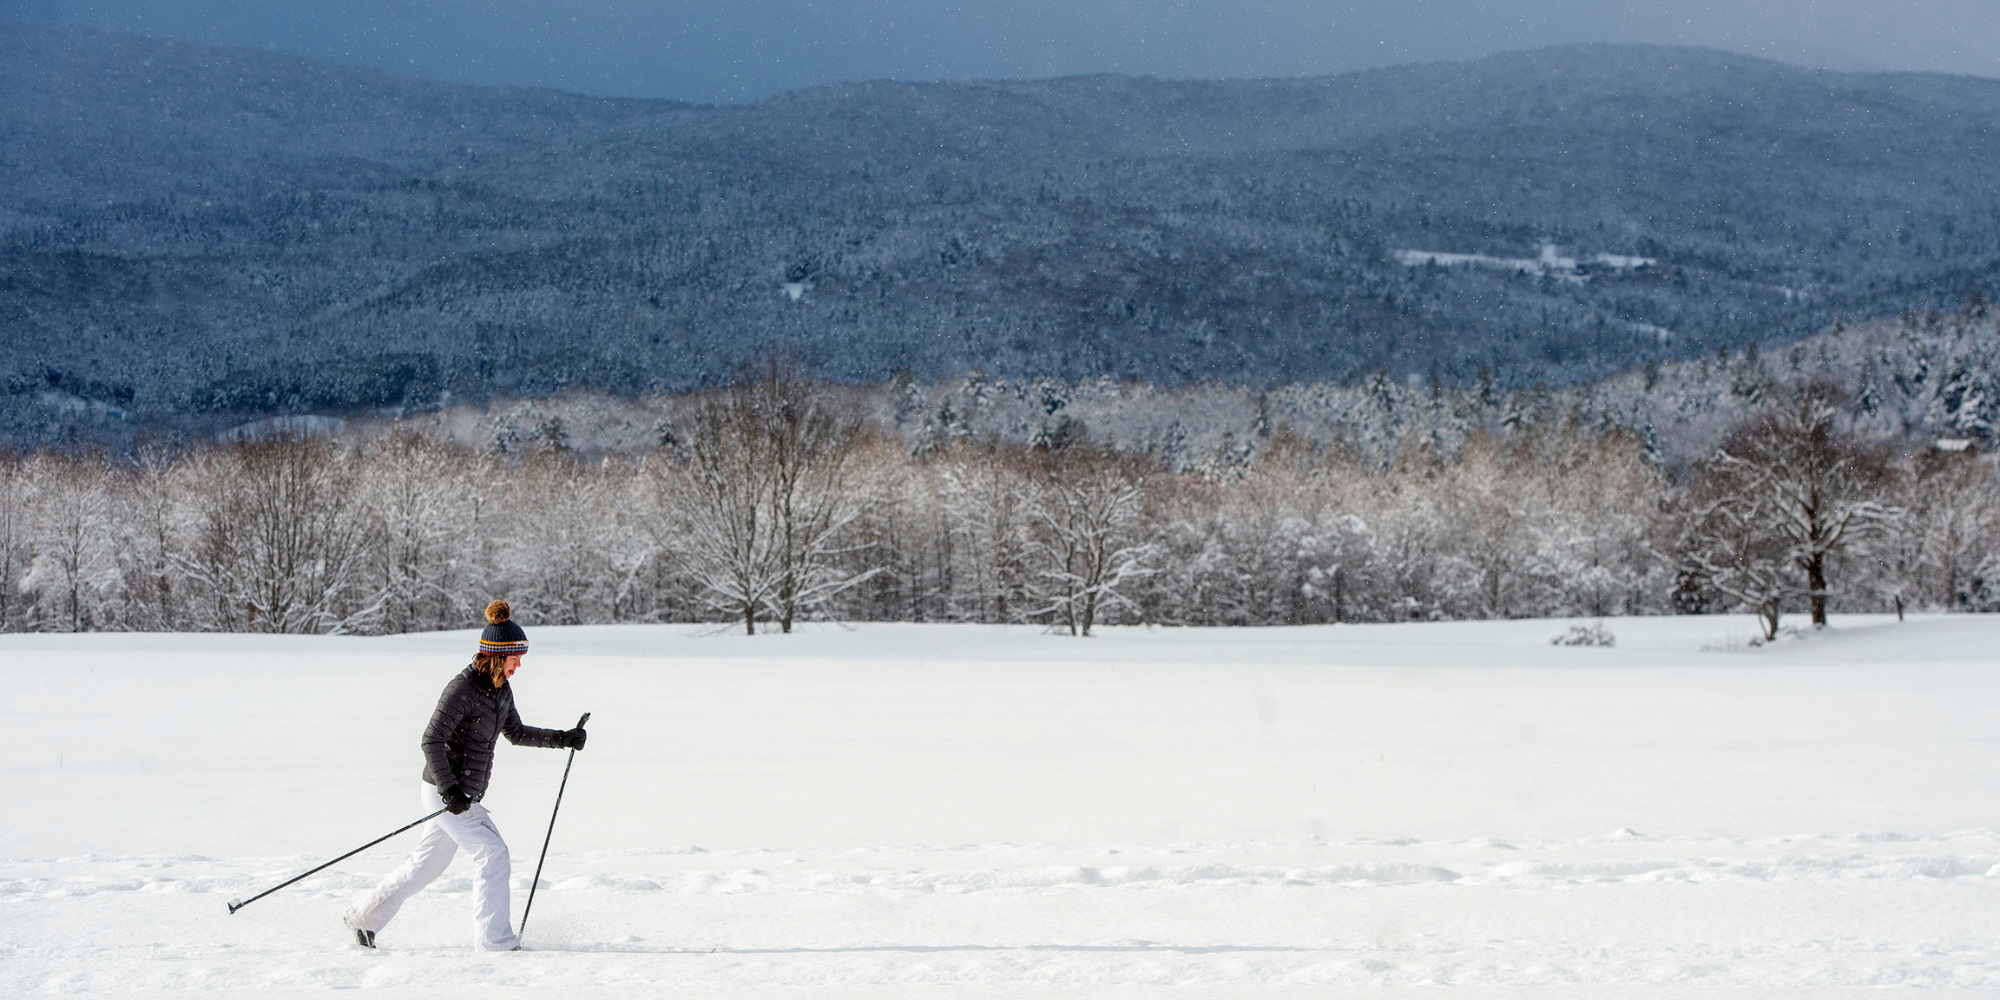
(1816, 587)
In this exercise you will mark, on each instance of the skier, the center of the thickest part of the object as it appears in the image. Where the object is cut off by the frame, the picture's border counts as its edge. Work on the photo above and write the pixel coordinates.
(476, 709)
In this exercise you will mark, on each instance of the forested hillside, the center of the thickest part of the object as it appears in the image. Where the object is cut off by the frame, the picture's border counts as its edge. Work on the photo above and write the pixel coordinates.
(192, 236)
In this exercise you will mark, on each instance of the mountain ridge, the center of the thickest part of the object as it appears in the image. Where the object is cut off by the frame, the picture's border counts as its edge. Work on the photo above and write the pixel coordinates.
(190, 235)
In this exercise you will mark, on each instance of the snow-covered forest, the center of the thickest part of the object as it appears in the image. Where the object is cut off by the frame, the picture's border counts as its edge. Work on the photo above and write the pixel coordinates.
(199, 236)
(1843, 472)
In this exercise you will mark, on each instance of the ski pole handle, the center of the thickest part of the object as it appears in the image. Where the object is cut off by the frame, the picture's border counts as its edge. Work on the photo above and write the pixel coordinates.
(580, 722)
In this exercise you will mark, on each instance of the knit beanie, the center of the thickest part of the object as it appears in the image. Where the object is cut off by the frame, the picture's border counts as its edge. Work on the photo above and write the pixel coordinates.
(502, 637)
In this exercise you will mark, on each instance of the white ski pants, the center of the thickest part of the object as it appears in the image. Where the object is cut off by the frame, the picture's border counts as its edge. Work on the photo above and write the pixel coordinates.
(473, 830)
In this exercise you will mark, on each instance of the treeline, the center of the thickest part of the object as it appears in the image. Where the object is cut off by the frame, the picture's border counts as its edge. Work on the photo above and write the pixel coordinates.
(777, 501)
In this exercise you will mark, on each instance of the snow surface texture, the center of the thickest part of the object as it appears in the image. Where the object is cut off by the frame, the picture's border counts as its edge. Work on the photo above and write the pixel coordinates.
(910, 810)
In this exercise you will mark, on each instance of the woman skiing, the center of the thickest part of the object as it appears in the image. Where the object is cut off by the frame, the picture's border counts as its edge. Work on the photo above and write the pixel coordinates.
(476, 709)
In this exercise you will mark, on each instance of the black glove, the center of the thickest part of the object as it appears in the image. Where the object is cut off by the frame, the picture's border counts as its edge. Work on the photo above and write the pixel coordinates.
(574, 738)
(455, 800)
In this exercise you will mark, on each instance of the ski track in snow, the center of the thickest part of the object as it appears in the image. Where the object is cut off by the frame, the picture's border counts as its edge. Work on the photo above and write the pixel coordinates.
(629, 910)
(923, 916)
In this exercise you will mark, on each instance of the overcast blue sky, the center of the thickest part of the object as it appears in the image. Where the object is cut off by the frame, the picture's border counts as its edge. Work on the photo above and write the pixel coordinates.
(735, 50)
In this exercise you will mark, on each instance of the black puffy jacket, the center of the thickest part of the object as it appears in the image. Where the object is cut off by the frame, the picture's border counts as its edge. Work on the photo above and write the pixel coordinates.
(471, 716)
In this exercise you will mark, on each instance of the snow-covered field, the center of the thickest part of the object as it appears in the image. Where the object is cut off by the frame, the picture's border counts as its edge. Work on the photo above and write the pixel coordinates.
(969, 811)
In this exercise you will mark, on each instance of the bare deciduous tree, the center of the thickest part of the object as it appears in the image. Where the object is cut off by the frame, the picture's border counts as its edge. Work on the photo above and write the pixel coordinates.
(419, 495)
(280, 540)
(16, 548)
(718, 495)
(765, 496)
(1940, 554)
(157, 494)
(1088, 541)
(75, 557)
(1726, 544)
(562, 548)
(1789, 487)
(982, 498)
(814, 499)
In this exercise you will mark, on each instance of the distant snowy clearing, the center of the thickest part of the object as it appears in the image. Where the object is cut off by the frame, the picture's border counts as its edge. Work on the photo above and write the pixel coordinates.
(974, 811)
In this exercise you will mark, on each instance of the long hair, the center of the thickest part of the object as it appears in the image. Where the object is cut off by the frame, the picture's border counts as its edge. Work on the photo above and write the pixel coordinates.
(493, 666)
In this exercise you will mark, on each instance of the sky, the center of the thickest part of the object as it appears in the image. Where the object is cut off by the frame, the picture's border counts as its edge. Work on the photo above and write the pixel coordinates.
(741, 50)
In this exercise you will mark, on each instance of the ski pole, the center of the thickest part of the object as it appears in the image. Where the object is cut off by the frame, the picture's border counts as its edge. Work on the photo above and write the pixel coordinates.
(237, 904)
(532, 886)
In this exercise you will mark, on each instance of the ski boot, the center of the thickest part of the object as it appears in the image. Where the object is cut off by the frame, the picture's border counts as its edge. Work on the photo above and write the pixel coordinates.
(363, 937)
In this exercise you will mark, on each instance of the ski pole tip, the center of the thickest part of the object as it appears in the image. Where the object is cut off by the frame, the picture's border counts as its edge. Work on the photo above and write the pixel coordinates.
(235, 904)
